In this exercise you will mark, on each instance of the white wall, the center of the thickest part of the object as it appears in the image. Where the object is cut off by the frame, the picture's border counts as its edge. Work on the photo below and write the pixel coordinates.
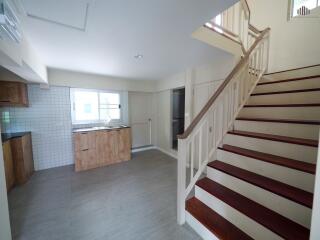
(85, 80)
(202, 81)
(294, 43)
(5, 230)
(48, 117)
(22, 60)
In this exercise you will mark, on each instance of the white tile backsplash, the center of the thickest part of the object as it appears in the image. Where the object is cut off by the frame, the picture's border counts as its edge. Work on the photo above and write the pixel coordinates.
(48, 117)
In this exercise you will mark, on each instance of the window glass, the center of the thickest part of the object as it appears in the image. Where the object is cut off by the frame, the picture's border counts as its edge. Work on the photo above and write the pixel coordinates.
(110, 106)
(298, 4)
(86, 106)
(95, 106)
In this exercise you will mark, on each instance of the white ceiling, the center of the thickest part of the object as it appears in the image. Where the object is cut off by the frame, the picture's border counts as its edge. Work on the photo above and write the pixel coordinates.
(103, 36)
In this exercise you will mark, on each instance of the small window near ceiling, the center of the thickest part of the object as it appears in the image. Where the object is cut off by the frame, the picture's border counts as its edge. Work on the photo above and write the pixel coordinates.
(303, 7)
(94, 106)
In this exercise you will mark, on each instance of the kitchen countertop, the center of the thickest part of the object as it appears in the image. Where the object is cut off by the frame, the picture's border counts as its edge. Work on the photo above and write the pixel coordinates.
(8, 136)
(90, 129)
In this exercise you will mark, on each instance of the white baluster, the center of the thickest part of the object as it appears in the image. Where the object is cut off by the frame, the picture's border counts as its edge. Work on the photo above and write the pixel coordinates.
(182, 158)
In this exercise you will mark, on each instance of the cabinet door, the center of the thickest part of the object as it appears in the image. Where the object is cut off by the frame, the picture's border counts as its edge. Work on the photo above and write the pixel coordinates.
(85, 140)
(102, 148)
(124, 144)
(8, 165)
(111, 149)
(27, 155)
(13, 93)
(22, 158)
(85, 159)
(85, 150)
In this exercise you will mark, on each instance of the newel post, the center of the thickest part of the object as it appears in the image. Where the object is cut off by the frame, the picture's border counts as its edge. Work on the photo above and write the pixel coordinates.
(181, 189)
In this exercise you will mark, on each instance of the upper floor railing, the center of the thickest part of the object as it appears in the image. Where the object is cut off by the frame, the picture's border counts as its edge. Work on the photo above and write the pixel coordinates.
(200, 141)
(234, 23)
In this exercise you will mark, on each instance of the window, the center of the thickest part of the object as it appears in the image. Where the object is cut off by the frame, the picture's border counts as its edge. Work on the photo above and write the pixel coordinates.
(94, 106)
(303, 7)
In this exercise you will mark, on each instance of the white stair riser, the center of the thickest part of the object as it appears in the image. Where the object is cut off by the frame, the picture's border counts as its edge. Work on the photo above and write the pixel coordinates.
(286, 175)
(286, 98)
(294, 113)
(287, 208)
(203, 232)
(288, 86)
(244, 223)
(293, 151)
(283, 129)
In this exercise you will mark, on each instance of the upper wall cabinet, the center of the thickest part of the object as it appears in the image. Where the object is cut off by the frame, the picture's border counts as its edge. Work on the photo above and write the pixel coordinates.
(13, 94)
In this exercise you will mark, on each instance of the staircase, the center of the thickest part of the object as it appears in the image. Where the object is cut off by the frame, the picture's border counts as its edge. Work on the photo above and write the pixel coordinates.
(256, 140)
(261, 184)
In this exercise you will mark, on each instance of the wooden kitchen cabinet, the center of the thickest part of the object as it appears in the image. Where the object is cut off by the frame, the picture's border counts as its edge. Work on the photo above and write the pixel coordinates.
(85, 150)
(84, 140)
(8, 165)
(101, 148)
(22, 158)
(13, 94)
(124, 147)
(106, 147)
(85, 159)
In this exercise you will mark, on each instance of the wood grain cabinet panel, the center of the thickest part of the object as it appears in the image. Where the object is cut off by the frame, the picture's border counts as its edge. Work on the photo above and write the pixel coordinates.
(83, 141)
(101, 148)
(124, 151)
(13, 94)
(85, 150)
(85, 159)
(8, 165)
(22, 158)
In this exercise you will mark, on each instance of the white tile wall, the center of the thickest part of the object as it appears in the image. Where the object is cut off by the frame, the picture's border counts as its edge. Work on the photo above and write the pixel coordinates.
(49, 119)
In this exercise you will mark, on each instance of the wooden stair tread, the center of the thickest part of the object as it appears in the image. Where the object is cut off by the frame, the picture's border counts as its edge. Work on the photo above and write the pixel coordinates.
(283, 105)
(275, 222)
(292, 193)
(215, 223)
(286, 92)
(288, 80)
(292, 140)
(266, 157)
(293, 121)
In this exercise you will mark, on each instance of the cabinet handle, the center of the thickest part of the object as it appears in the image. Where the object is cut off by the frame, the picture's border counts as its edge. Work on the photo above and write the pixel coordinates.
(84, 133)
(85, 150)
(6, 101)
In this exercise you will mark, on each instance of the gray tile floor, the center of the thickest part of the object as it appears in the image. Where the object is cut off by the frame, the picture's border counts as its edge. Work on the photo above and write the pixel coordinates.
(132, 200)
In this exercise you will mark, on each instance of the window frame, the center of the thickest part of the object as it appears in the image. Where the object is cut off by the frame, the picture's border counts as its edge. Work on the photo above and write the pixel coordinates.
(291, 7)
(98, 91)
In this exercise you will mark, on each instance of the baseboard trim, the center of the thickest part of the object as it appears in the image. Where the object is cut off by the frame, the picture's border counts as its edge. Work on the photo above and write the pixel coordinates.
(166, 152)
(141, 149)
(152, 147)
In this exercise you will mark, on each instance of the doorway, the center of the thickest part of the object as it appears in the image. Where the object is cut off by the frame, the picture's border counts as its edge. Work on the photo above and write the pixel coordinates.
(178, 111)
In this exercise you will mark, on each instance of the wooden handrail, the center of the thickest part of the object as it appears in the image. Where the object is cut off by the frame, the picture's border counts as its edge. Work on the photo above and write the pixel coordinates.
(245, 3)
(222, 34)
(204, 110)
(254, 29)
(224, 30)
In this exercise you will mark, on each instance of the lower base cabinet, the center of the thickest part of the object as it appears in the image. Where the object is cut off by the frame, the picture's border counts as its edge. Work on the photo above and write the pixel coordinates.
(22, 158)
(85, 159)
(8, 165)
(18, 160)
(124, 144)
(101, 148)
